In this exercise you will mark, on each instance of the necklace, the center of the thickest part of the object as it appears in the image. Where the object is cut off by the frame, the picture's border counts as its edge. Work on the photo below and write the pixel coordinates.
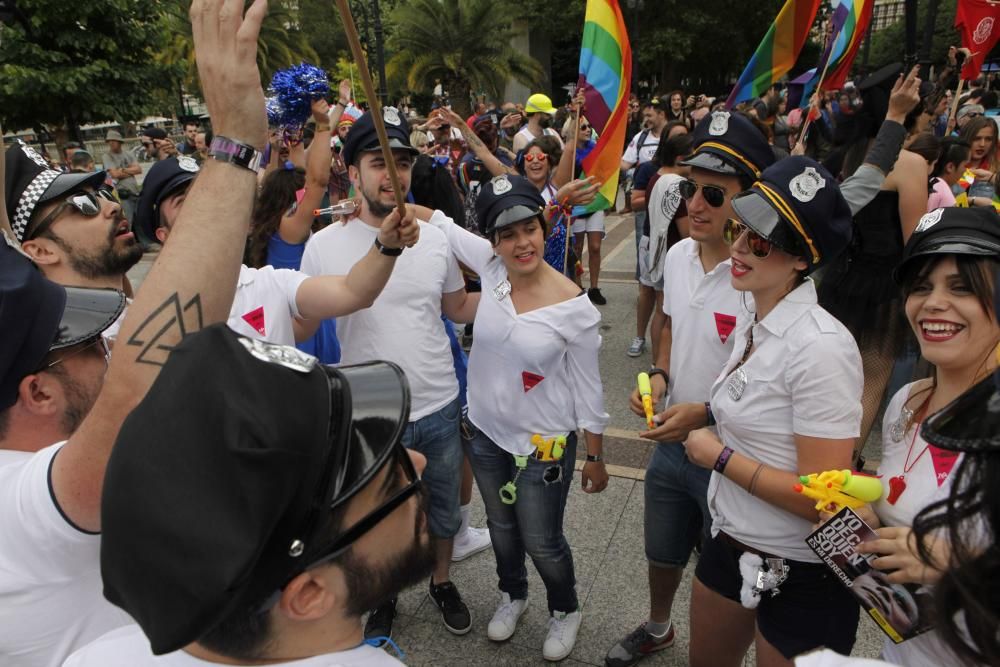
(738, 377)
(897, 484)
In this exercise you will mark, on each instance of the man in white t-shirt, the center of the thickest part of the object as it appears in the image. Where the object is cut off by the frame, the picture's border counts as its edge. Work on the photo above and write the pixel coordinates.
(540, 112)
(643, 145)
(404, 326)
(701, 308)
(275, 305)
(256, 504)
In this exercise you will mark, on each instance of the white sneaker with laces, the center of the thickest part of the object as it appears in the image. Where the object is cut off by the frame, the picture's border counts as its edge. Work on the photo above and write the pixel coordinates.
(469, 543)
(504, 621)
(637, 346)
(562, 635)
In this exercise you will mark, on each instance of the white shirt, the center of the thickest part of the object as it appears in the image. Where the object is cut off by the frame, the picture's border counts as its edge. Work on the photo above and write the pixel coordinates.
(636, 154)
(265, 304)
(525, 136)
(804, 377)
(51, 600)
(702, 308)
(128, 647)
(663, 201)
(404, 325)
(536, 372)
(828, 658)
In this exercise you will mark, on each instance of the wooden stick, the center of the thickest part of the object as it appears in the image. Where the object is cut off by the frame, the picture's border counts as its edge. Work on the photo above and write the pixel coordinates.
(376, 107)
(954, 102)
(818, 91)
(569, 218)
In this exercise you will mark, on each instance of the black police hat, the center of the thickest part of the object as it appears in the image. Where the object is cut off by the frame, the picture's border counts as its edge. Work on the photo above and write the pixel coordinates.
(37, 316)
(951, 231)
(162, 180)
(363, 138)
(797, 205)
(30, 182)
(234, 459)
(504, 200)
(729, 143)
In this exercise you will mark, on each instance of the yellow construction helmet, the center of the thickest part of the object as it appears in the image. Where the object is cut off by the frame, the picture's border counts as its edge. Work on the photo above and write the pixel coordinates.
(539, 103)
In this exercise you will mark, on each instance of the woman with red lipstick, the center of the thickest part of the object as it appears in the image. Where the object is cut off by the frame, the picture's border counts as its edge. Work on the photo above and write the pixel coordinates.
(786, 403)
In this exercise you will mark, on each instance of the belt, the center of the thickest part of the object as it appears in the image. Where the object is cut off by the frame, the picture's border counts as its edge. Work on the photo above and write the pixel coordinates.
(736, 544)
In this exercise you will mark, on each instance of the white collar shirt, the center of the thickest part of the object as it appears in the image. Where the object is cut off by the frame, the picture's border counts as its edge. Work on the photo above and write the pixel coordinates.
(803, 378)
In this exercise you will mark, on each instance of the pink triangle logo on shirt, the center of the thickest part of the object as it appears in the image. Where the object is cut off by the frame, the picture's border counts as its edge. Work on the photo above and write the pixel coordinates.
(529, 380)
(724, 324)
(944, 461)
(255, 318)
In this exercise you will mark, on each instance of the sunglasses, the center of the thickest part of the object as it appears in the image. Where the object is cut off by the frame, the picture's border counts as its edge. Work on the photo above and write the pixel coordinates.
(105, 349)
(584, 127)
(85, 203)
(531, 157)
(714, 195)
(734, 229)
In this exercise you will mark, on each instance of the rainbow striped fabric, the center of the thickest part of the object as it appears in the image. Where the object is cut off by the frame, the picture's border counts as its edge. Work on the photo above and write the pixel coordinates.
(605, 76)
(848, 25)
(777, 52)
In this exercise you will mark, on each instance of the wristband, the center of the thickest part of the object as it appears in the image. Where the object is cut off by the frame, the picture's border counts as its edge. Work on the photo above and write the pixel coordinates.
(709, 417)
(228, 150)
(594, 458)
(386, 250)
(720, 463)
(325, 127)
(662, 373)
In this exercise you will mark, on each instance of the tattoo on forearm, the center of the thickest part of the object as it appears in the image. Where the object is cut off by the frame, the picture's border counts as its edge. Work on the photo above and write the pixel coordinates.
(473, 140)
(165, 328)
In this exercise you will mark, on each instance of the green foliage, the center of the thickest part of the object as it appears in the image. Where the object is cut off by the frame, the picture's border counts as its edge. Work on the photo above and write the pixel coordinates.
(888, 44)
(91, 62)
(464, 43)
(346, 69)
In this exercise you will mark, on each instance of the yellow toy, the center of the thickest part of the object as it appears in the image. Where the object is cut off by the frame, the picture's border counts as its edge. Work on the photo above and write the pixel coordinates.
(549, 449)
(839, 487)
(646, 391)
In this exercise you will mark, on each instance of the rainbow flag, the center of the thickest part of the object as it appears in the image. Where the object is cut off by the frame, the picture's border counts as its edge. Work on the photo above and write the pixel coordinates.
(848, 26)
(605, 76)
(777, 52)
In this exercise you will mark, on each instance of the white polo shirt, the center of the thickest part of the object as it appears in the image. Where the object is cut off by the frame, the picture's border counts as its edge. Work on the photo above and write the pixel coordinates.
(534, 372)
(803, 377)
(51, 595)
(265, 304)
(128, 647)
(404, 325)
(702, 308)
(636, 154)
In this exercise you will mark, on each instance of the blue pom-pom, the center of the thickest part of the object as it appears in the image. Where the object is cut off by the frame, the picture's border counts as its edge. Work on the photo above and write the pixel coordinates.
(292, 92)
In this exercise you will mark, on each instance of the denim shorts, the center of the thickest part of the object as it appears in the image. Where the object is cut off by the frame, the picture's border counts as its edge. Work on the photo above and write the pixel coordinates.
(676, 493)
(438, 438)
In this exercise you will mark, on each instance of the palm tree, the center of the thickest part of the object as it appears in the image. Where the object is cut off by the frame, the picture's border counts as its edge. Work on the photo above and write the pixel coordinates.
(464, 43)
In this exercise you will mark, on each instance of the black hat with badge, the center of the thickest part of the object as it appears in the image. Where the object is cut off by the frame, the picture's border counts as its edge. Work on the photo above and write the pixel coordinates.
(727, 142)
(797, 205)
(163, 179)
(29, 182)
(504, 200)
(38, 316)
(363, 138)
(951, 231)
(220, 486)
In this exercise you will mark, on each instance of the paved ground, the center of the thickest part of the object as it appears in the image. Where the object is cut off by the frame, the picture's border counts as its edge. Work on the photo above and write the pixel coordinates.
(605, 530)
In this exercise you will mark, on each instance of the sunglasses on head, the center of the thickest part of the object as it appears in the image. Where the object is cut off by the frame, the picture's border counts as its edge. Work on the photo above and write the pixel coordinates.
(85, 203)
(531, 157)
(713, 195)
(734, 229)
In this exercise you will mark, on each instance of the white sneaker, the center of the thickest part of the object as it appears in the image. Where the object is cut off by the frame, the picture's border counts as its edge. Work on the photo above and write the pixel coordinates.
(562, 635)
(469, 543)
(504, 621)
(637, 346)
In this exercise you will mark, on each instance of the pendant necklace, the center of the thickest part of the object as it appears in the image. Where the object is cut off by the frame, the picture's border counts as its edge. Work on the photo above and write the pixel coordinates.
(897, 484)
(738, 377)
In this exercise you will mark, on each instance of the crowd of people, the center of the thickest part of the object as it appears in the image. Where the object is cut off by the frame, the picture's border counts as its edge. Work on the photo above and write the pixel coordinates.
(248, 457)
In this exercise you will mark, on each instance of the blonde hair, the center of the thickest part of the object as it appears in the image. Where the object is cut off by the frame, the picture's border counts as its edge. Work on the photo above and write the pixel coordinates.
(418, 139)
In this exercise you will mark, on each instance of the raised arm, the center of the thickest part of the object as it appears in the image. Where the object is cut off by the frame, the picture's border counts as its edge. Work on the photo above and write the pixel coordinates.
(566, 169)
(469, 249)
(295, 228)
(193, 281)
(475, 144)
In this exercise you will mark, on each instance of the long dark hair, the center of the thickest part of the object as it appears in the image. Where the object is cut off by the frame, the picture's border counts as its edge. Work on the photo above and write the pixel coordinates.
(277, 194)
(953, 151)
(668, 151)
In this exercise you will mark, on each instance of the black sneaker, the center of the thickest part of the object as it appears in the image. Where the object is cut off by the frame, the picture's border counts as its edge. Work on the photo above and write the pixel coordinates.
(379, 624)
(596, 297)
(454, 613)
(637, 645)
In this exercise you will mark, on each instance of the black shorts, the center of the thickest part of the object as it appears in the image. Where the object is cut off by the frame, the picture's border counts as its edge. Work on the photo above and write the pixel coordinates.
(812, 610)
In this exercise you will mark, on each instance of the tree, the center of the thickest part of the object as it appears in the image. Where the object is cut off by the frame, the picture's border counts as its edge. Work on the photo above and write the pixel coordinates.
(91, 61)
(464, 43)
(888, 44)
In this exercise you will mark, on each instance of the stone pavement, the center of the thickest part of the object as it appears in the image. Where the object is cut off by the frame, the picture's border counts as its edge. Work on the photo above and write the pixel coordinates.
(605, 530)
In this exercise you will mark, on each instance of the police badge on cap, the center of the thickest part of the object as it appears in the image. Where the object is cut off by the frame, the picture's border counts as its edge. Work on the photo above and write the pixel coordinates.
(929, 220)
(720, 123)
(805, 186)
(390, 115)
(501, 185)
(187, 163)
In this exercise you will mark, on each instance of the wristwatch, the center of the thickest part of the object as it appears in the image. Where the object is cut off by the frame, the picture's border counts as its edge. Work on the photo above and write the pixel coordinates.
(594, 458)
(225, 149)
(386, 250)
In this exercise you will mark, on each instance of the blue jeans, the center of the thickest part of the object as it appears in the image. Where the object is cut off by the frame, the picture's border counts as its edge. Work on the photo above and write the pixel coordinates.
(676, 492)
(532, 525)
(437, 437)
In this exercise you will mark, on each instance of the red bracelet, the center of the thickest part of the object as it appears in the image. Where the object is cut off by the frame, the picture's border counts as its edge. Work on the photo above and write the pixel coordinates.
(720, 463)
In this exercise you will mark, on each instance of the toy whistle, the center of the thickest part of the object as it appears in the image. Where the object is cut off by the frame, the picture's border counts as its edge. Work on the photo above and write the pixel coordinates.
(646, 391)
(345, 207)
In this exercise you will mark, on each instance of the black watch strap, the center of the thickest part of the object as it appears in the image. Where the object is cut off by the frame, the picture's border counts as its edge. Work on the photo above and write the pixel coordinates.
(659, 371)
(594, 458)
(385, 250)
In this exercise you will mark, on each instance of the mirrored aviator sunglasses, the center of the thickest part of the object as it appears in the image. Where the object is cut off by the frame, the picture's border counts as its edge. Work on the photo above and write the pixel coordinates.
(714, 196)
(86, 203)
(734, 229)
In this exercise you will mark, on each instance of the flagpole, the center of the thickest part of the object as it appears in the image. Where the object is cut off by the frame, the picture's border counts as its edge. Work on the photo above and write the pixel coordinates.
(819, 91)
(569, 218)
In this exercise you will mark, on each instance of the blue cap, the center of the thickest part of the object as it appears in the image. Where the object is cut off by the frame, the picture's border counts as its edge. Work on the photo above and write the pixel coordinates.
(729, 143)
(363, 138)
(162, 179)
(504, 200)
(797, 205)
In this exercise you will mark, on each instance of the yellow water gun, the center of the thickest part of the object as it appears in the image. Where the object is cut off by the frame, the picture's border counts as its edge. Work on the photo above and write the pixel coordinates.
(646, 391)
(839, 487)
